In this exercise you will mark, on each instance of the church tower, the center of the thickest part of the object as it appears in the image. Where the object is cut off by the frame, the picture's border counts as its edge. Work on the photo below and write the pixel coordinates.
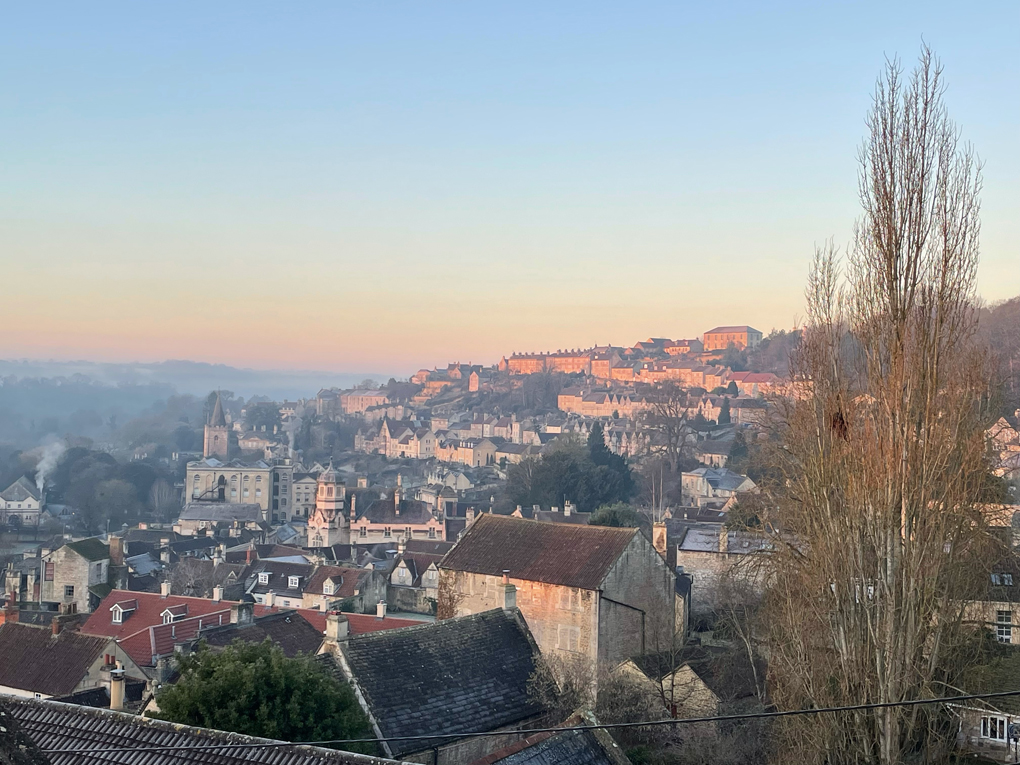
(328, 525)
(217, 433)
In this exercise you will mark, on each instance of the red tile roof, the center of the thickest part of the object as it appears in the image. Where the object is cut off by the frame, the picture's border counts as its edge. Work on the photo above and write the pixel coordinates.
(142, 634)
(358, 624)
(568, 555)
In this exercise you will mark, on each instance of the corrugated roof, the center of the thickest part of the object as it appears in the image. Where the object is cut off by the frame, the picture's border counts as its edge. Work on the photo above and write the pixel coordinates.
(568, 555)
(53, 725)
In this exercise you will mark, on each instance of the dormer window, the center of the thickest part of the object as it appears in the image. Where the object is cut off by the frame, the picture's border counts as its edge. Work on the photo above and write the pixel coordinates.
(293, 582)
(327, 587)
(1002, 579)
(168, 618)
(263, 577)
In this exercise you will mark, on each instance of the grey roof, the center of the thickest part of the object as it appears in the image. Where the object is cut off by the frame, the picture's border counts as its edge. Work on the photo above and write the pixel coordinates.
(20, 490)
(221, 512)
(570, 747)
(143, 565)
(459, 675)
(53, 725)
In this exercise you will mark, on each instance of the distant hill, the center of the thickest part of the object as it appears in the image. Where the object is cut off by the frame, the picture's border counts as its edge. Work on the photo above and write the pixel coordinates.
(194, 377)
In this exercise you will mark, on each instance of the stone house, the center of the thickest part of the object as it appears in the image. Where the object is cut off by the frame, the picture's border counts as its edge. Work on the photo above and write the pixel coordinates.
(20, 504)
(359, 399)
(713, 483)
(468, 674)
(589, 593)
(720, 338)
(47, 662)
(414, 581)
(358, 589)
(720, 563)
(76, 576)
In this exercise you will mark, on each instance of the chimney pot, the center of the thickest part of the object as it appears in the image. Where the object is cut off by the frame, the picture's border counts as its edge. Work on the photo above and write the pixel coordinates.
(117, 687)
(55, 625)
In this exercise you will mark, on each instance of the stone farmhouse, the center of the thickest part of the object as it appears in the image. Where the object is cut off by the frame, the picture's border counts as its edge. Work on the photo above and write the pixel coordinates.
(588, 592)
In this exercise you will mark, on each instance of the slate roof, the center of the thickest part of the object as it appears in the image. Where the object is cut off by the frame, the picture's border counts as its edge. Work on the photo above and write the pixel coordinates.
(34, 660)
(286, 629)
(221, 512)
(430, 546)
(345, 580)
(90, 549)
(53, 725)
(569, 747)
(383, 511)
(564, 554)
(20, 490)
(459, 675)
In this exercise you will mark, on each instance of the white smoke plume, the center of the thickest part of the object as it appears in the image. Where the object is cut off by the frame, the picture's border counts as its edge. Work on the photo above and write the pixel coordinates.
(291, 429)
(50, 457)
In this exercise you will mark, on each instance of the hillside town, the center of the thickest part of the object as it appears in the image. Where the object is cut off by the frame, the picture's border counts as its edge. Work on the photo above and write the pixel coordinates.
(588, 516)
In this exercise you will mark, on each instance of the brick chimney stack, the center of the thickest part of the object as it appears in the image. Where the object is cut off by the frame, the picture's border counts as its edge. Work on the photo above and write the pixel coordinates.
(116, 551)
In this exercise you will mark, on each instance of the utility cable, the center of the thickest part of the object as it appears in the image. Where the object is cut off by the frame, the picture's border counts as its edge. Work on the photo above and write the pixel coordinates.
(452, 736)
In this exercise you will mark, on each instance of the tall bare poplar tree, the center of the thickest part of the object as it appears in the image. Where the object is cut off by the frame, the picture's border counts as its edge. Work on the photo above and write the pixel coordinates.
(883, 455)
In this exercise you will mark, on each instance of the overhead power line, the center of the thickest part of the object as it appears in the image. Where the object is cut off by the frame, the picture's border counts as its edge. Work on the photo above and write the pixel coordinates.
(533, 731)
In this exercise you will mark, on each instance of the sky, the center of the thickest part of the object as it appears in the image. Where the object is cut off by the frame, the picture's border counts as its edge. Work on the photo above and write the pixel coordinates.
(387, 186)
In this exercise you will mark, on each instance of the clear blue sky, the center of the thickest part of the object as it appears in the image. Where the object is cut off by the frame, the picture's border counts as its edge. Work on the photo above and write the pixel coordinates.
(390, 185)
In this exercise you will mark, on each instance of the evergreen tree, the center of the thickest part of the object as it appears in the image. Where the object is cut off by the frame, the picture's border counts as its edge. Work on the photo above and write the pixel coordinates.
(724, 412)
(254, 689)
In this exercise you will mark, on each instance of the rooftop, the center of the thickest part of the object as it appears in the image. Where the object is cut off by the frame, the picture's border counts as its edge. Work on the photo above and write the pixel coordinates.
(464, 674)
(563, 554)
(53, 725)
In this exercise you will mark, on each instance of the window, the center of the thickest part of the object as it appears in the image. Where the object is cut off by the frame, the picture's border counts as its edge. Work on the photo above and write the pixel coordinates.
(1004, 626)
(993, 728)
(233, 480)
(327, 587)
(118, 615)
(570, 600)
(168, 618)
(293, 582)
(386, 532)
(1002, 579)
(432, 533)
(48, 574)
(407, 532)
(568, 638)
(258, 492)
(245, 491)
(68, 590)
(263, 577)
(258, 479)
(363, 531)
(283, 502)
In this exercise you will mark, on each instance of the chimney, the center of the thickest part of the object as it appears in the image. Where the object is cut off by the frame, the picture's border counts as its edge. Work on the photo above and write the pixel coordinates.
(242, 613)
(164, 556)
(470, 515)
(217, 593)
(11, 610)
(509, 592)
(337, 627)
(164, 589)
(568, 508)
(659, 537)
(116, 551)
(117, 687)
(724, 539)
(270, 599)
(555, 508)
(55, 626)
(218, 556)
(380, 610)
(248, 555)
(401, 546)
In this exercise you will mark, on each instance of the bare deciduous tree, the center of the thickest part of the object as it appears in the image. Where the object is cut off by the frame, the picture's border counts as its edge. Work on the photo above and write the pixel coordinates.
(162, 500)
(667, 422)
(883, 460)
